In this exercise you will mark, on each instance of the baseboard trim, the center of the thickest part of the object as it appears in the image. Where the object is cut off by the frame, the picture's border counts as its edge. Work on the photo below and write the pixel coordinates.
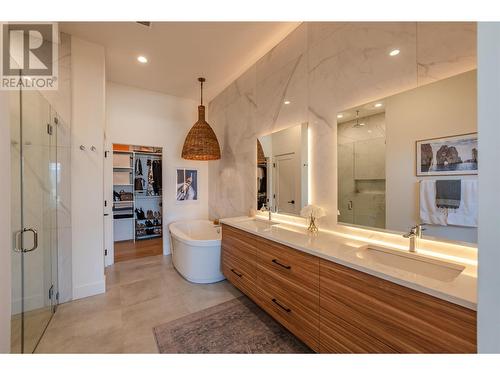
(89, 289)
(30, 303)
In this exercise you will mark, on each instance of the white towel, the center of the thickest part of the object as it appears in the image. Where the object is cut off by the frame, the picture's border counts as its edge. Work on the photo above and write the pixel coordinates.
(466, 214)
(429, 212)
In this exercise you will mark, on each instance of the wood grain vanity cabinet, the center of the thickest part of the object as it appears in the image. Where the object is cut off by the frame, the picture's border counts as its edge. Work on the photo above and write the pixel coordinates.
(391, 318)
(336, 309)
(288, 282)
(239, 260)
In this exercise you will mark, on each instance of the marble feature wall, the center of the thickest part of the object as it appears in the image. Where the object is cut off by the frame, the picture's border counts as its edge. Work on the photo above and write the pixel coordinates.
(323, 68)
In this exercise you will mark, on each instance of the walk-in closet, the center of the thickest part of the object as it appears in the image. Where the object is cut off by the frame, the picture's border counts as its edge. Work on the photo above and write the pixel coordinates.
(137, 201)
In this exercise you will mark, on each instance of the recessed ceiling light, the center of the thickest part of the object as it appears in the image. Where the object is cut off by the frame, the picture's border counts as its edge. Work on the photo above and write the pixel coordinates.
(340, 115)
(287, 102)
(394, 52)
(369, 131)
(378, 105)
(142, 59)
(362, 124)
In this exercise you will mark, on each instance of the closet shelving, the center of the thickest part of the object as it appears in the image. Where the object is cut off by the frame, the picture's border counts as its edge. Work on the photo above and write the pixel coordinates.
(122, 182)
(149, 198)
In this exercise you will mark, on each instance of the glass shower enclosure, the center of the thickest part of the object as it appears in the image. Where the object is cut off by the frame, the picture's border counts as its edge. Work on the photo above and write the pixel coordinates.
(34, 204)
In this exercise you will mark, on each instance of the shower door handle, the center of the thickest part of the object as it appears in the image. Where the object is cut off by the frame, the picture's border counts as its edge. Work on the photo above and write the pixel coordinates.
(35, 240)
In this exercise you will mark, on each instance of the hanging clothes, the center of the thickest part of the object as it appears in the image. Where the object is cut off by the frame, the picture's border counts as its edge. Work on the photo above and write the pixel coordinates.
(150, 178)
(157, 177)
(138, 167)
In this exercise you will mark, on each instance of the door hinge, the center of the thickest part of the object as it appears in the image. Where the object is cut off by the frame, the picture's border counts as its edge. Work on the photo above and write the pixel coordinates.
(50, 129)
(106, 154)
(51, 292)
(57, 297)
(274, 165)
(105, 203)
(105, 252)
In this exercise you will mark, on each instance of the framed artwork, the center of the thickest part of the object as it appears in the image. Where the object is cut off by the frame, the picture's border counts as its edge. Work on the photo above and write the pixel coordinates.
(454, 155)
(186, 185)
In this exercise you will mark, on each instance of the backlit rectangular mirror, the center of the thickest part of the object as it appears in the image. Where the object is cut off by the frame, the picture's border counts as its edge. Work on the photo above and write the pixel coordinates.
(411, 158)
(282, 170)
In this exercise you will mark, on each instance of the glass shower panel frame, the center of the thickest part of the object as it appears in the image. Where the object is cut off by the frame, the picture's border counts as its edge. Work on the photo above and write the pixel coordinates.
(34, 218)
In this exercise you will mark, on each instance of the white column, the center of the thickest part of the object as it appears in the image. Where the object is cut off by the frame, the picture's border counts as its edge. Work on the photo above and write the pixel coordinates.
(87, 199)
(489, 187)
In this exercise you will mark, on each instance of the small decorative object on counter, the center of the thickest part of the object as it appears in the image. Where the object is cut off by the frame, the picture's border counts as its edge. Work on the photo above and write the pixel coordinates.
(312, 212)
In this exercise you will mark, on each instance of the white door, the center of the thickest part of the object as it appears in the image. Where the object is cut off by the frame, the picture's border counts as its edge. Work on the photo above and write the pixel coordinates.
(285, 184)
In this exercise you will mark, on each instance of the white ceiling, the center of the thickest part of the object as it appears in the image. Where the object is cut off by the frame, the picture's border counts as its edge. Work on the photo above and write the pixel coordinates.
(180, 52)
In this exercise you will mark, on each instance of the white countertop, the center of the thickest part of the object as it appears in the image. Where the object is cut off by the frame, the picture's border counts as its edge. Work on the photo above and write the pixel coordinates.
(343, 249)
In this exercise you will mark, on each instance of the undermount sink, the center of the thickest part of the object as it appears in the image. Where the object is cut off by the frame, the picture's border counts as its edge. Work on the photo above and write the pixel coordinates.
(262, 224)
(412, 262)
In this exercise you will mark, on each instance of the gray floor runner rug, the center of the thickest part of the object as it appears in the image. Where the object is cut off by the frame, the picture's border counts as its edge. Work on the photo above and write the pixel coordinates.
(236, 326)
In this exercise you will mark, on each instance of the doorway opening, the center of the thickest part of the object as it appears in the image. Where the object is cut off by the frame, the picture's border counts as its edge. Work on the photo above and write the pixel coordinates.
(137, 202)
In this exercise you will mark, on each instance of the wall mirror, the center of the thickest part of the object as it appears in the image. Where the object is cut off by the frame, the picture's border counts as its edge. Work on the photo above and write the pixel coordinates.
(282, 170)
(412, 158)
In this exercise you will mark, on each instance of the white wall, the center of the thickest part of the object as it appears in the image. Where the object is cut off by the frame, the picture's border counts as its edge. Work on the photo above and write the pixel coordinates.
(88, 119)
(5, 233)
(489, 187)
(444, 108)
(143, 117)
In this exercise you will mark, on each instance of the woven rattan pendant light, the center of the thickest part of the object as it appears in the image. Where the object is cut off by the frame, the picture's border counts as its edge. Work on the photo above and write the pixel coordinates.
(201, 142)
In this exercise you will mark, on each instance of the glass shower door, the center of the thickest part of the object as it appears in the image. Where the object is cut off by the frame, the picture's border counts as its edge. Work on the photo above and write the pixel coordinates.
(34, 218)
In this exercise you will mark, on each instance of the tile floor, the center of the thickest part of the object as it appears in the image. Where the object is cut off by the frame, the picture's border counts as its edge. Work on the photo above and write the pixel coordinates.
(141, 294)
(35, 322)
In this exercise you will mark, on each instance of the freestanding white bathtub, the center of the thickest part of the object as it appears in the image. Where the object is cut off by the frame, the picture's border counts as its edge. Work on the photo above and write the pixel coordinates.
(196, 251)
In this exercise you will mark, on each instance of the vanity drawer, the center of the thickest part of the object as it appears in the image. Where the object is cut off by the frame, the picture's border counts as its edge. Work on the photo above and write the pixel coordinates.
(401, 318)
(240, 274)
(243, 266)
(307, 298)
(298, 268)
(338, 336)
(237, 243)
(291, 313)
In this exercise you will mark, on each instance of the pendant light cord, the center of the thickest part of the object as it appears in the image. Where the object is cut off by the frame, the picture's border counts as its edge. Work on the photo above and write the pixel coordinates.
(201, 92)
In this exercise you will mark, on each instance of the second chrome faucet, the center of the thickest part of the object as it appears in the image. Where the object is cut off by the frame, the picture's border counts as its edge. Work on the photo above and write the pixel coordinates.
(414, 234)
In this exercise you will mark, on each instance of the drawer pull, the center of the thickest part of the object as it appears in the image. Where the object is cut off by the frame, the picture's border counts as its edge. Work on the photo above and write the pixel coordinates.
(236, 273)
(280, 305)
(281, 264)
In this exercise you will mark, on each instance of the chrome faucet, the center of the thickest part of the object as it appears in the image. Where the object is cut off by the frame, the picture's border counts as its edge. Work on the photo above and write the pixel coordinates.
(264, 208)
(414, 234)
